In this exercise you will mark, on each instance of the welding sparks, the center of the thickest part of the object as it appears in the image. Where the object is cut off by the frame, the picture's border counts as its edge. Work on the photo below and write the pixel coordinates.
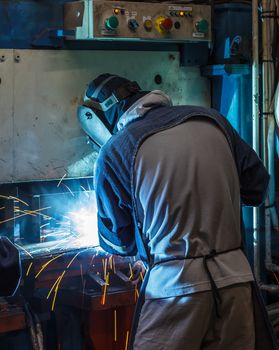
(56, 290)
(55, 283)
(115, 325)
(70, 263)
(105, 290)
(44, 225)
(277, 280)
(28, 212)
(136, 293)
(47, 263)
(68, 188)
(131, 272)
(105, 264)
(14, 198)
(85, 191)
(62, 178)
(37, 211)
(29, 268)
(127, 340)
(20, 247)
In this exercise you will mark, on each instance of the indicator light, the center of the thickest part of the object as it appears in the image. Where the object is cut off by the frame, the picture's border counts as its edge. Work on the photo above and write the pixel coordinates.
(177, 13)
(181, 13)
(116, 11)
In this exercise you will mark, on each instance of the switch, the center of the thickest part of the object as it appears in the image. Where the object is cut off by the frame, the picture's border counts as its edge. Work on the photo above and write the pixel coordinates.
(166, 24)
(133, 24)
(148, 25)
(202, 26)
(177, 25)
(111, 23)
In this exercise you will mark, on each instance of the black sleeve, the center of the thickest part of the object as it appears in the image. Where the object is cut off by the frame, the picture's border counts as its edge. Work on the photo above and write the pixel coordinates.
(253, 176)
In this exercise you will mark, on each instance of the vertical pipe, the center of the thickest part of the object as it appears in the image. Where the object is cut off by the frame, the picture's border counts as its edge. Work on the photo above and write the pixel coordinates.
(265, 109)
(255, 126)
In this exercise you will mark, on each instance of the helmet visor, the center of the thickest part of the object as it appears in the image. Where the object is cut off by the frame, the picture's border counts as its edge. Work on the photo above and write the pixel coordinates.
(93, 126)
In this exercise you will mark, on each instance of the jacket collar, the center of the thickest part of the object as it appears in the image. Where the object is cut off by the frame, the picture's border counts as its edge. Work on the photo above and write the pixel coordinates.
(153, 99)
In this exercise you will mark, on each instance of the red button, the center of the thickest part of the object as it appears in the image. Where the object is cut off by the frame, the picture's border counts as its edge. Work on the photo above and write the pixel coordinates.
(166, 24)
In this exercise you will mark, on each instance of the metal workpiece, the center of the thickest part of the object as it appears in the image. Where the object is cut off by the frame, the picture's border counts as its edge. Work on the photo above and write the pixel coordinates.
(133, 21)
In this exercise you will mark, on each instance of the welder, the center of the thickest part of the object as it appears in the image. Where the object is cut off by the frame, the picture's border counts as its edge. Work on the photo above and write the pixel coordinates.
(170, 182)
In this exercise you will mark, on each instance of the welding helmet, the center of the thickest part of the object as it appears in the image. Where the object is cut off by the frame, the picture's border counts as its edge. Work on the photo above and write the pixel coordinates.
(106, 98)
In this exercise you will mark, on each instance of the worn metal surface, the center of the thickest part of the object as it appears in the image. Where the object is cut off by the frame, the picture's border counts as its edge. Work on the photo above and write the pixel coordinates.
(40, 90)
(6, 115)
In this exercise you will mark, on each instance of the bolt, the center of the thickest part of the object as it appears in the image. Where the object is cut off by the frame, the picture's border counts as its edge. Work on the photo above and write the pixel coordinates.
(158, 79)
(17, 58)
(2, 58)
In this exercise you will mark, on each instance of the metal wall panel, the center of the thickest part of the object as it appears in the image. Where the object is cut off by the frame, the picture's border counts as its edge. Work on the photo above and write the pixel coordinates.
(6, 115)
(47, 85)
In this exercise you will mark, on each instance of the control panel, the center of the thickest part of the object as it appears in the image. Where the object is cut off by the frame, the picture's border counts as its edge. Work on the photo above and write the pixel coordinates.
(124, 20)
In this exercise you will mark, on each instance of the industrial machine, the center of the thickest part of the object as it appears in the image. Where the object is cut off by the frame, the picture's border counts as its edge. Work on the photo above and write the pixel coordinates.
(73, 295)
(124, 20)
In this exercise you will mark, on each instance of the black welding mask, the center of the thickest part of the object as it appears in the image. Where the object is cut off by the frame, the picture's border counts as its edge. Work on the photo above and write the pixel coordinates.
(106, 98)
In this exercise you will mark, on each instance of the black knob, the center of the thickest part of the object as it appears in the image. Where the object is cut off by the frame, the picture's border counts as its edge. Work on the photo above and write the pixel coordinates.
(133, 24)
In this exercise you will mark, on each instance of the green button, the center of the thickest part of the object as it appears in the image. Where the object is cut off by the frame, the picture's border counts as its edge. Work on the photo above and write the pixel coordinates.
(112, 23)
(202, 26)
